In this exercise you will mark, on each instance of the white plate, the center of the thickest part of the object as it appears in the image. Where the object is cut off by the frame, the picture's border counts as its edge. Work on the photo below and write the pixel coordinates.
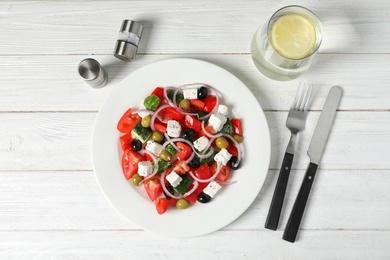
(198, 219)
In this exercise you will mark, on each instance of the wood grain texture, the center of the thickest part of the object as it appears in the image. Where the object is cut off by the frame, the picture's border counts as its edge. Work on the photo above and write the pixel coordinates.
(72, 200)
(180, 26)
(51, 206)
(51, 83)
(224, 245)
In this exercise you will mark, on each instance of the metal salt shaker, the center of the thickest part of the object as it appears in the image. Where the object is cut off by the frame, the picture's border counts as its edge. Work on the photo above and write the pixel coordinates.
(128, 40)
(91, 71)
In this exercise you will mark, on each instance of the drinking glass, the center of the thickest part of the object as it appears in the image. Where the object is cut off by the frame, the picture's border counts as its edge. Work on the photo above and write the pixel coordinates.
(285, 47)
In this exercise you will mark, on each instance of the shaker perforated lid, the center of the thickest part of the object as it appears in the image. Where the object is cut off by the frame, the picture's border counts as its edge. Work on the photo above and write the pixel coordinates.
(129, 37)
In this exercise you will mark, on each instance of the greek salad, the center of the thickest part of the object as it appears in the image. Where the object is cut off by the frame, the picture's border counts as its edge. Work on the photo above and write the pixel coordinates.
(181, 145)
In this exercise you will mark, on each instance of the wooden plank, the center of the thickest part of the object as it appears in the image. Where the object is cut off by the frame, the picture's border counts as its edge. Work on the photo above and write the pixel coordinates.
(51, 83)
(62, 141)
(220, 245)
(72, 200)
(41, 27)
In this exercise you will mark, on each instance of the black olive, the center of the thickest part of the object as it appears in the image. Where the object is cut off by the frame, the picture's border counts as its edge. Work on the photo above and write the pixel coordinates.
(188, 134)
(136, 145)
(202, 92)
(171, 191)
(194, 163)
(233, 163)
(203, 197)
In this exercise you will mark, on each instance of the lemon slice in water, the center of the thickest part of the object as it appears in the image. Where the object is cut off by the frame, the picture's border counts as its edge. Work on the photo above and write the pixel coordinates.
(293, 36)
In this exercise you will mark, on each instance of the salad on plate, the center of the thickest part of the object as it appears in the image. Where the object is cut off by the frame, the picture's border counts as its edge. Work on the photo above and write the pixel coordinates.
(181, 145)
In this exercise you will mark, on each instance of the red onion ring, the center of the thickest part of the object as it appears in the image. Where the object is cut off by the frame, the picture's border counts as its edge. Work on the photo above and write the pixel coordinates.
(162, 181)
(209, 179)
(155, 115)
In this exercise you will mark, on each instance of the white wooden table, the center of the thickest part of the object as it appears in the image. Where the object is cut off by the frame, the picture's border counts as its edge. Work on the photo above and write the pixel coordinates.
(51, 206)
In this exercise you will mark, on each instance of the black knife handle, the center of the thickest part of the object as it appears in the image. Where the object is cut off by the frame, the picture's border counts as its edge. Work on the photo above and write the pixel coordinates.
(290, 233)
(280, 190)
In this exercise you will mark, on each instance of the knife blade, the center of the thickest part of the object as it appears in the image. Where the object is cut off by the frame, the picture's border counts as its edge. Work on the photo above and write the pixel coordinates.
(315, 152)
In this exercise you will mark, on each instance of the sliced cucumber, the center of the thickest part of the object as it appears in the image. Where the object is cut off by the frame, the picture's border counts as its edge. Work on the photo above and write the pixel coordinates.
(141, 133)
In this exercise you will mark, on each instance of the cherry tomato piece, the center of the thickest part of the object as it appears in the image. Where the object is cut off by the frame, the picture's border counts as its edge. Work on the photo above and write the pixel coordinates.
(193, 123)
(128, 121)
(224, 172)
(130, 160)
(209, 103)
(162, 204)
(185, 151)
(203, 172)
(197, 104)
(153, 187)
(125, 141)
(237, 126)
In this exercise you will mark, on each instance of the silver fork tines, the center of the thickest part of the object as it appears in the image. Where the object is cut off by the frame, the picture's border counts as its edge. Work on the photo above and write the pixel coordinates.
(302, 97)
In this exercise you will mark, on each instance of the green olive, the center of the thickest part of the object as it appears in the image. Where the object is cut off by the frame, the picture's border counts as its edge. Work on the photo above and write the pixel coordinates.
(157, 137)
(165, 155)
(184, 104)
(221, 142)
(182, 204)
(136, 179)
(238, 138)
(145, 122)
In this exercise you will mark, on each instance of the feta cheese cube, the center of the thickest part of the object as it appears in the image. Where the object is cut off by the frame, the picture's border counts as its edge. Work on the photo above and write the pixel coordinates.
(173, 128)
(144, 168)
(223, 110)
(190, 93)
(216, 122)
(201, 143)
(153, 147)
(174, 179)
(212, 188)
(222, 157)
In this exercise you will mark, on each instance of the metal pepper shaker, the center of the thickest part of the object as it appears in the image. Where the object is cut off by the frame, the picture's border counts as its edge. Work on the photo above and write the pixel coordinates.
(128, 40)
(92, 72)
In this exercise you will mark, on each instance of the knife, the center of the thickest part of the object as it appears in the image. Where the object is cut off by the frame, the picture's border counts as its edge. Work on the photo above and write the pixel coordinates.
(315, 151)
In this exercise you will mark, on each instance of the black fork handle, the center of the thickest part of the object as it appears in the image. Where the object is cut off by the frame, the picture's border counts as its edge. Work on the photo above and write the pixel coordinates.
(279, 193)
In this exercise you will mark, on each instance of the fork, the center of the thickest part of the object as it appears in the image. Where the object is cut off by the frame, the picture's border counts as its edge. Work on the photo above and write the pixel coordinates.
(296, 120)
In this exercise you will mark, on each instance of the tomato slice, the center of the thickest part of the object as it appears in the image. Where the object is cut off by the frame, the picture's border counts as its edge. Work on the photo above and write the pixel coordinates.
(193, 123)
(162, 128)
(197, 104)
(130, 160)
(185, 151)
(125, 141)
(193, 197)
(180, 167)
(162, 204)
(232, 149)
(209, 103)
(153, 187)
(171, 113)
(224, 173)
(128, 121)
(203, 172)
(237, 126)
